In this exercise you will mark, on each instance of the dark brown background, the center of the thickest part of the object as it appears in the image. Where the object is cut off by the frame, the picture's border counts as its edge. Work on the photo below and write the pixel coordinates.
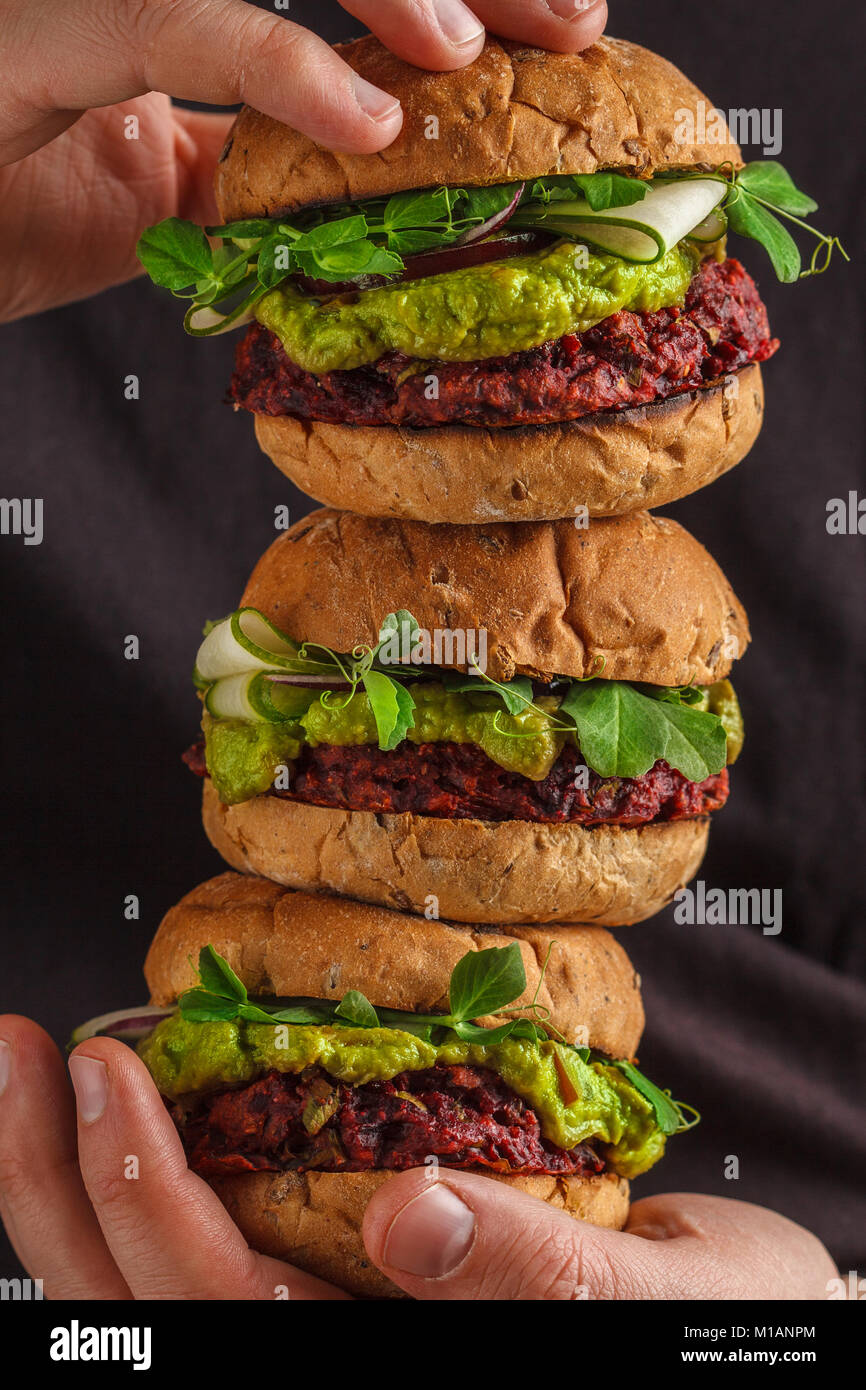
(156, 510)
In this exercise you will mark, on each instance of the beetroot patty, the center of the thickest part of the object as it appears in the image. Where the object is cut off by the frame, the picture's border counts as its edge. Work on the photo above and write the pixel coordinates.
(459, 781)
(466, 1116)
(628, 359)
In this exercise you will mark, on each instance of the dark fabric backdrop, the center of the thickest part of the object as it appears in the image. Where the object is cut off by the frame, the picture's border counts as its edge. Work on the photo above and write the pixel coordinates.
(156, 510)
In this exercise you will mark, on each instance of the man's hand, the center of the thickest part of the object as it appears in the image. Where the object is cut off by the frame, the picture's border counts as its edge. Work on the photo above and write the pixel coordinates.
(464, 1237)
(89, 1231)
(77, 191)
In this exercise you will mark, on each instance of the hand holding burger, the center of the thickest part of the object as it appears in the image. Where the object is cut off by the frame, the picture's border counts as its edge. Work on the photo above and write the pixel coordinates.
(76, 73)
(79, 1225)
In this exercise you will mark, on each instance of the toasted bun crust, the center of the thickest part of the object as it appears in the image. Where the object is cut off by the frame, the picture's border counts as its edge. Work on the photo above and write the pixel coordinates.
(478, 871)
(514, 113)
(313, 1220)
(612, 462)
(296, 944)
(636, 591)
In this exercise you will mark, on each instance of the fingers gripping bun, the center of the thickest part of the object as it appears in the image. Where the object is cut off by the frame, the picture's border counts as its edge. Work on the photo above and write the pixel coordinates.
(515, 113)
(314, 1220)
(285, 943)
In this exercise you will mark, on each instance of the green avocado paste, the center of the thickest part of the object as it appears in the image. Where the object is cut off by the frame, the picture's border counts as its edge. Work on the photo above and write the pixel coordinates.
(185, 1058)
(243, 756)
(480, 311)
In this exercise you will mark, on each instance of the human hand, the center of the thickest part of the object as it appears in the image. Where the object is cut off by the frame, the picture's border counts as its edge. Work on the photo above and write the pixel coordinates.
(90, 1232)
(77, 190)
(76, 1218)
(465, 1237)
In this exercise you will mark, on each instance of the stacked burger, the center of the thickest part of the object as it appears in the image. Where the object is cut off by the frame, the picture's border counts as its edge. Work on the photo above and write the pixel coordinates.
(452, 735)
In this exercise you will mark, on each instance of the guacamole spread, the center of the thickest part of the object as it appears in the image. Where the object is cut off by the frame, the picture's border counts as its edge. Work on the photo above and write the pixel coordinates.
(242, 756)
(474, 313)
(184, 1058)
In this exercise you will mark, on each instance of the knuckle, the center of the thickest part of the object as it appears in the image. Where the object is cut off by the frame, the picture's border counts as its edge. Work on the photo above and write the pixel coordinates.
(113, 1195)
(16, 1177)
(550, 1266)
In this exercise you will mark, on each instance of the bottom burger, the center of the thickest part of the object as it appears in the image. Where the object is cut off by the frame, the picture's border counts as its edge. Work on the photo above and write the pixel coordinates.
(308, 1048)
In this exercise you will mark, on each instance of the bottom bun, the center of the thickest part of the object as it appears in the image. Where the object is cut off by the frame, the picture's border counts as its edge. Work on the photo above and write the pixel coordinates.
(611, 463)
(313, 1220)
(462, 870)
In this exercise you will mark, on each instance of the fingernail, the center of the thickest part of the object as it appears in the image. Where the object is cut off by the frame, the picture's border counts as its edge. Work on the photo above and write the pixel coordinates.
(90, 1079)
(5, 1065)
(379, 105)
(459, 25)
(570, 9)
(431, 1235)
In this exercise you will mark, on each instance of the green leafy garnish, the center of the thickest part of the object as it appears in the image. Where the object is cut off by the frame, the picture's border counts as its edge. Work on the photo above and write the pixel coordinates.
(622, 729)
(217, 976)
(623, 732)
(223, 997)
(668, 1112)
(392, 706)
(356, 1008)
(761, 194)
(602, 191)
(516, 694)
(482, 982)
(175, 254)
(226, 275)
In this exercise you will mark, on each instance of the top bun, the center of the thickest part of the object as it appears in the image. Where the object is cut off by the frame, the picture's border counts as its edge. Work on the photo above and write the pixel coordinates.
(288, 944)
(637, 591)
(515, 113)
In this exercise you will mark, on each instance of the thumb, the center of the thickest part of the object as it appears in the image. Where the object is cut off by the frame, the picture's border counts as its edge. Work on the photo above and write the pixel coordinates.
(462, 1236)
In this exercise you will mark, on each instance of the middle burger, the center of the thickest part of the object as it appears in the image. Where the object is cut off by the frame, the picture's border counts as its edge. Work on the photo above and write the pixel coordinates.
(514, 723)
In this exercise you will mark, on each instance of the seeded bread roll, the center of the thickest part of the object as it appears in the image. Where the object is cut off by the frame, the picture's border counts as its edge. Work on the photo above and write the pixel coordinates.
(636, 593)
(314, 1220)
(515, 113)
(475, 871)
(289, 944)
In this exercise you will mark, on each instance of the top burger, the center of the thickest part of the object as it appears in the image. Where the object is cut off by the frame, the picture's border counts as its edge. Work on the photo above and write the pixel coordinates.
(511, 313)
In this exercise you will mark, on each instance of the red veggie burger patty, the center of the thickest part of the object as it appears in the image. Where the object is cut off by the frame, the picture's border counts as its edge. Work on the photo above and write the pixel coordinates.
(466, 1116)
(458, 781)
(628, 359)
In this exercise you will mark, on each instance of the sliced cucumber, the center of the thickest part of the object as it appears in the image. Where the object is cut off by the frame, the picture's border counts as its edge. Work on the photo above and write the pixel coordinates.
(712, 228)
(245, 641)
(251, 695)
(202, 321)
(644, 231)
(230, 697)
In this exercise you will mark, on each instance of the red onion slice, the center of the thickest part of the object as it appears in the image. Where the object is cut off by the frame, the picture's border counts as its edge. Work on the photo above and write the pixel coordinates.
(127, 1025)
(493, 223)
